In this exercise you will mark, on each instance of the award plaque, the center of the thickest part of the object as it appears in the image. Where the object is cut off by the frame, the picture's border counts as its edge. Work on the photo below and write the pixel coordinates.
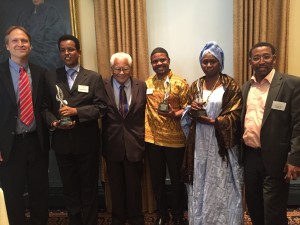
(64, 120)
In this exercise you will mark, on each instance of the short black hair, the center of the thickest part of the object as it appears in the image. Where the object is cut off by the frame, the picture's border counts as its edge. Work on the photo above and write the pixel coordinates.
(159, 50)
(67, 37)
(262, 44)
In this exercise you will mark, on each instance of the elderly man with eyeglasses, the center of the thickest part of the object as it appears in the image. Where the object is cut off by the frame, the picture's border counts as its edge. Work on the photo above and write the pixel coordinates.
(123, 140)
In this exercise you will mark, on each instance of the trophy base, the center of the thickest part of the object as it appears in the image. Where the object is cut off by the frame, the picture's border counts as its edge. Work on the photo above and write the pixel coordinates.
(65, 121)
(197, 113)
(163, 107)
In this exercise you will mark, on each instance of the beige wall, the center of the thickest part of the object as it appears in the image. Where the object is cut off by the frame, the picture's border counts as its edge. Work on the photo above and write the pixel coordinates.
(87, 34)
(294, 38)
(88, 39)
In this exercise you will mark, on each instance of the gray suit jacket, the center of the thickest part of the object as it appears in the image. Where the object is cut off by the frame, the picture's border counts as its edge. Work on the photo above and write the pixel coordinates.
(280, 131)
(124, 137)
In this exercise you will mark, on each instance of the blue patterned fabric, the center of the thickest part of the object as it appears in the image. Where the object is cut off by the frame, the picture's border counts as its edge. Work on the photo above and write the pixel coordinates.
(213, 48)
(215, 198)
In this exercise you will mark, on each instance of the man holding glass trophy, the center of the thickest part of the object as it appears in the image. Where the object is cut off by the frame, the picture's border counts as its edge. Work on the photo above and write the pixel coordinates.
(166, 100)
(74, 105)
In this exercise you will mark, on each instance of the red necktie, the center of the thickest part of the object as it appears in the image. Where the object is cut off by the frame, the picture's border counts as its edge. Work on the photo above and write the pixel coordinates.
(26, 108)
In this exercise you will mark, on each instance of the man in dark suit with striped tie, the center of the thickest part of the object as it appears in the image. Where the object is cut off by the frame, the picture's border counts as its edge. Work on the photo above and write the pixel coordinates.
(24, 145)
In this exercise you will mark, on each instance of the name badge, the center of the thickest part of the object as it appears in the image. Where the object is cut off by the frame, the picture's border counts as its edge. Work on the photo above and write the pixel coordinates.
(149, 91)
(278, 105)
(83, 88)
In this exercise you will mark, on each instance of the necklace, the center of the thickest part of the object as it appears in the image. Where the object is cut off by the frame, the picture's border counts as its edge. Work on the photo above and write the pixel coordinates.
(212, 90)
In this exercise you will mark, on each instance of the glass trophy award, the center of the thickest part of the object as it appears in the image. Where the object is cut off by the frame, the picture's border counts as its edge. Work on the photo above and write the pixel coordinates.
(164, 105)
(64, 120)
(198, 112)
(199, 99)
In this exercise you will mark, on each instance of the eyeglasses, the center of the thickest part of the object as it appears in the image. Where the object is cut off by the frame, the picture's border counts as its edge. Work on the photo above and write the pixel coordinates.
(118, 70)
(257, 58)
(63, 50)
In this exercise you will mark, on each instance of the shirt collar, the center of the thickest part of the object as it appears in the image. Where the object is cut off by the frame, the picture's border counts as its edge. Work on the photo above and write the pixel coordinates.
(267, 78)
(74, 68)
(16, 66)
(126, 84)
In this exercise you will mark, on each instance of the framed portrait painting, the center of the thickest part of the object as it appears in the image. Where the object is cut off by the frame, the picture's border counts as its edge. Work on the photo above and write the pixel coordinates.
(45, 20)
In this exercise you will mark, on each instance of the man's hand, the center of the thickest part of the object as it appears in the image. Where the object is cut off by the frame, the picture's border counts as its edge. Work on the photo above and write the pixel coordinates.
(1, 158)
(67, 111)
(172, 113)
(292, 172)
(56, 125)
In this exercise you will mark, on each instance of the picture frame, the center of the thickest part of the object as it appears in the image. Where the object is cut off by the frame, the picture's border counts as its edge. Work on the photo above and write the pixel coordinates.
(46, 21)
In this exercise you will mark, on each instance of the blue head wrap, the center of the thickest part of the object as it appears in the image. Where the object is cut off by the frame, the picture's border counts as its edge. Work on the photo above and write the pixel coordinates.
(213, 48)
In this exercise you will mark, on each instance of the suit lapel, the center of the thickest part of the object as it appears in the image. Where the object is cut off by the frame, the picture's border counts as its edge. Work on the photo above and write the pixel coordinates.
(273, 92)
(7, 82)
(35, 81)
(81, 76)
(61, 79)
(110, 92)
(134, 94)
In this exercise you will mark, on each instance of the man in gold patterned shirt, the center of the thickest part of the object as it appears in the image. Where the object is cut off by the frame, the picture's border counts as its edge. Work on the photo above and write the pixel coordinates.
(166, 100)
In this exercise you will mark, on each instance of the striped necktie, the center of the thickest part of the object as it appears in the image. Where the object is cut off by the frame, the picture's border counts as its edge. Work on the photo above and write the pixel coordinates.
(123, 105)
(26, 106)
(71, 77)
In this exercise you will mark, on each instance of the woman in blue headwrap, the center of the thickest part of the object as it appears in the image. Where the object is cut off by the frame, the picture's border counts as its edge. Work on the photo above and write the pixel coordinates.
(211, 124)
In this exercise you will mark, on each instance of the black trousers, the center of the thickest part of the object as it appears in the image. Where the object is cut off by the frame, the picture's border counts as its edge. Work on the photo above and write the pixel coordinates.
(79, 174)
(266, 196)
(126, 192)
(26, 170)
(160, 158)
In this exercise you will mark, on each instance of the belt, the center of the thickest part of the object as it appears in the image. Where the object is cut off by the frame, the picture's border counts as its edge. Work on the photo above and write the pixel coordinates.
(26, 134)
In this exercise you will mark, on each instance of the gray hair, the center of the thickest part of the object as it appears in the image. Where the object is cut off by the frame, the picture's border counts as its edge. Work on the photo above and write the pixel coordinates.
(120, 55)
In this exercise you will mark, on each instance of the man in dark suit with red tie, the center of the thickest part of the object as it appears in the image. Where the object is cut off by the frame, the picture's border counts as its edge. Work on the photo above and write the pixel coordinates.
(76, 94)
(123, 140)
(24, 145)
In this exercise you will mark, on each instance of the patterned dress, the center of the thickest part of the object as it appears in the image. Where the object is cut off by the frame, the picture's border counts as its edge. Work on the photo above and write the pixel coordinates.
(215, 197)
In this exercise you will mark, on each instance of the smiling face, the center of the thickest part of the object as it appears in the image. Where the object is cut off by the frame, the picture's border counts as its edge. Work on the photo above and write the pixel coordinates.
(210, 65)
(68, 53)
(18, 44)
(262, 61)
(160, 64)
(121, 70)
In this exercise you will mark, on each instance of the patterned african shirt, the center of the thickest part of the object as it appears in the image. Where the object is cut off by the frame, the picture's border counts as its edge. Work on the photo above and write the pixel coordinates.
(160, 130)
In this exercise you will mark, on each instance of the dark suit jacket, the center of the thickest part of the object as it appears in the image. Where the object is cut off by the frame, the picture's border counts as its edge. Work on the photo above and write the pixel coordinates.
(9, 108)
(280, 131)
(124, 137)
(85, 136)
